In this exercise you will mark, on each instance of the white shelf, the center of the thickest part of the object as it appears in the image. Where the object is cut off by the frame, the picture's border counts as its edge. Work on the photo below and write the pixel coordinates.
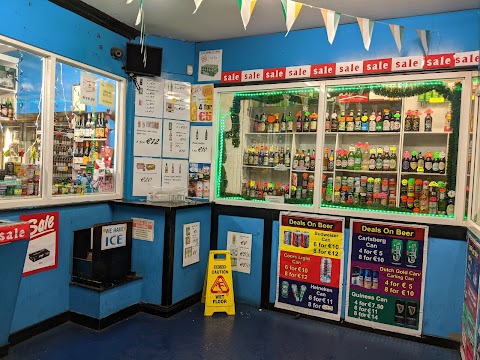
(264, 167)
(270, 133)
(5, 91)
(368, 171)
(305, 171)
(422, 174)
(305, 133)
(426, 133)
(372, 133)
(89, 139)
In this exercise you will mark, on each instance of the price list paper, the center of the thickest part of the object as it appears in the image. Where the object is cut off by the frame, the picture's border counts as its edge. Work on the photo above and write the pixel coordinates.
(175, 174)
(149, 97)
(201, 144)
(147, 137)
(177, 100)
(146, 173)
(470, 334)
(176, 136)
(310, 267)
(386, 276)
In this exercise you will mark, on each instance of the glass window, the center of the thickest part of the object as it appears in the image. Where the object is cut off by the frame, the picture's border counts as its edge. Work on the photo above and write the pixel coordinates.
(21, 78)
(84, 132)
(393, 147)
(474, 167)
(267, 146)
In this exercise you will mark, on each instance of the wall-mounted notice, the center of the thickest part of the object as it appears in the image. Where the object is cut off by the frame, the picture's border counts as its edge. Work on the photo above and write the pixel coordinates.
(175, 139)
(310, 259)
(175, 174)
(201, 144)
(142, 229)
(146, 173)
(199, 181)
(107, 94)
(149, 97)
(147, 137)
(210, 65)
(470, 300)
(88, 89)
(191, 243)
(201, 103)
(113, 236)
(177, 100)
(42, 252)
(240, 247)
(386, 276)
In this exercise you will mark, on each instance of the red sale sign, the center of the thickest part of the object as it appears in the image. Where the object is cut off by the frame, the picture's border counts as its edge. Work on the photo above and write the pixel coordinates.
(10, 232)
(42, 252)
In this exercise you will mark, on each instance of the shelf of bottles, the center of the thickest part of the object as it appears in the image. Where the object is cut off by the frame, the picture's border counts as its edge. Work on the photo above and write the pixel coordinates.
(387, 154)
(279, 148)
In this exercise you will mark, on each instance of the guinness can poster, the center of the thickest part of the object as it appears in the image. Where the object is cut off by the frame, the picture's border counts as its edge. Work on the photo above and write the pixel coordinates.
(386, 276)
(310, 265)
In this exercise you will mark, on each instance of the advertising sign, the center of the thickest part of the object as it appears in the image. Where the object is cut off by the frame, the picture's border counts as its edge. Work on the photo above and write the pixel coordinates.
(310, 264)
(386, 276)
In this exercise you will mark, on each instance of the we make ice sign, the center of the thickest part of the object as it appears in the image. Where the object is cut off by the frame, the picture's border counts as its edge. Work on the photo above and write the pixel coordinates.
(114, 236)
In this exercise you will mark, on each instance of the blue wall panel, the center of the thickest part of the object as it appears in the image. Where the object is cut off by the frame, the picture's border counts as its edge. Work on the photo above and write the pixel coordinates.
(247, 287)
(84, 301)
(147, 257)
(119, 298)
(189, 280)
(274, 265)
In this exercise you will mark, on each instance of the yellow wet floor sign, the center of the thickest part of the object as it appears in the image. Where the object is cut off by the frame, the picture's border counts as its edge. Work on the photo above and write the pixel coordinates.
(218, 287)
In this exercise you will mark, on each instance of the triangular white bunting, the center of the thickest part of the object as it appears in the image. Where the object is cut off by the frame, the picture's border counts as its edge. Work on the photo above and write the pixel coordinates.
(246, 10)
(366, 28)
(331, 19)
(397, 32)
(197, 4)
(424, 36)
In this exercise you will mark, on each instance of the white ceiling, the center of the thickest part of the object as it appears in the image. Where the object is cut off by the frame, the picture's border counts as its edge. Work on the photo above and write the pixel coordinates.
(220, 19)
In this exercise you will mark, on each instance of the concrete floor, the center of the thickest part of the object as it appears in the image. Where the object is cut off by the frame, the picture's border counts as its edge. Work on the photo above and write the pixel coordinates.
(251, 334)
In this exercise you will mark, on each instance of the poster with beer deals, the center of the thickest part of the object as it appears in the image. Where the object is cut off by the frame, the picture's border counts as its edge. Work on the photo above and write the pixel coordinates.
(201, 103)
(199, 181)
(386, 276)
(310, 264)
(176, 99)
(147, 137)
(470, 301)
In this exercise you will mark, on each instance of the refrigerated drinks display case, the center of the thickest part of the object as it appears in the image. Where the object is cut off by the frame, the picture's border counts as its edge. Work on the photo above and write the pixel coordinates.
(473, 167)
(390, 145)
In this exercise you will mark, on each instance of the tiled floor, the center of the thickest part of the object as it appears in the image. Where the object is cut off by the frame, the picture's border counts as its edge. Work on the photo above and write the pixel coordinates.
(251, 334)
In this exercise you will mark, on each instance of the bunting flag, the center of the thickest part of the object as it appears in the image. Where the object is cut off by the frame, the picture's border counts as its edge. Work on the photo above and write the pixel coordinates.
(129, 1)
(197, 5)
(366, 28)
(424, 36)
(246, 10)
(331, 19)
(291, 9)
(397, 32)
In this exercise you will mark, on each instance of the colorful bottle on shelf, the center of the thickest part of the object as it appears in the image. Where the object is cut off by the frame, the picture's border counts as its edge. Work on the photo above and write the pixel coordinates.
(428, 123)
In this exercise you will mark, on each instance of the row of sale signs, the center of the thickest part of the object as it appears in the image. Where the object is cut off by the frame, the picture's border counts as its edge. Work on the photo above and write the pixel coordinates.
(385, 271)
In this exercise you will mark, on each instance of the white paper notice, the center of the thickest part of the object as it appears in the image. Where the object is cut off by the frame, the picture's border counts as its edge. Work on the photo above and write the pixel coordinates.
(240, 247)
(142, 229)
(175, 139)
(210, 65)
(146, 173)
(177, 100)
(147, 137)
(149, 97)
(113, 236)
(88, 89)
(175, 174)
(201, 144)
(191, 243)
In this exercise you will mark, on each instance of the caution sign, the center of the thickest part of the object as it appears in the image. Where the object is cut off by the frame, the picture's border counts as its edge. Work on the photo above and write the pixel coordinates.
(218, 288)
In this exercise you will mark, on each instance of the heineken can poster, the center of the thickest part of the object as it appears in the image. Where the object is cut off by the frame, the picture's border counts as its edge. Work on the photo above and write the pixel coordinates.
(386, 276)
(310, 264)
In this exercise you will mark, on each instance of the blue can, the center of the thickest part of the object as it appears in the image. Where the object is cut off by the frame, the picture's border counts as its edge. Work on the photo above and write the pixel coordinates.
(361, 277)
(375, 280)
(367, 281)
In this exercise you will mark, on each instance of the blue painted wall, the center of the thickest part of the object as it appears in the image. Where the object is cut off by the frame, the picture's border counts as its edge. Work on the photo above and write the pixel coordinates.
(247, 287)
(451, 32)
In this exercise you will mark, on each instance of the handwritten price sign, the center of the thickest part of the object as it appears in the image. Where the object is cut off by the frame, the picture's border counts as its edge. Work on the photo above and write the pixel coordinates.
(148, 137)
(201, 138)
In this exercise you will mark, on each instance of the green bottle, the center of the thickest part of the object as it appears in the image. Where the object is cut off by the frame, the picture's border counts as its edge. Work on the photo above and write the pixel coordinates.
(351, 158)
(358, 159)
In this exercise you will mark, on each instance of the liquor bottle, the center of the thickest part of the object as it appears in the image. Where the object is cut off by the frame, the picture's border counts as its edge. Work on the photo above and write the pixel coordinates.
(428, 162)
(295, 160)
(379, 159)
(397, 121)
(256, 124)
(262, 126)
(416, 121)
(378, 122)
(365, 157)
(448, 119)
(386, 120)
(283, 124)
(256, 156)
(406, 161)
(276, 124)
(334, 118)
(328, 122)
(344, 159)
(392, 121)
(271, 157)
(364, 122)
(331, 161)
(424, 198)
(289, 120)
(287, 157)
(10, 109)
(358, 159)
(301, 159)
(386, 159)
(372, 122)
(442, 199)
(428, 121)
(299, 125)
(245, 156)
(358, 122)
(306, 122)
(442, 163)
(351, 158)
(341, 121)
(373, 160)
(414, 162)
(270, 122)
(81, 130)
(433, 200)
(312, 161)
(451, 202)
(100, 130)
(87, 133)
(349, 123)
(4, 108)
(421, 163)
(313, 122)
(393, 159)
(408, 121)
(436, 162)
(276, 157)
(281, 158)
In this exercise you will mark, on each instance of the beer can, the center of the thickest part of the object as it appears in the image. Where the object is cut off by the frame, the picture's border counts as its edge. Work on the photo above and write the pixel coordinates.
(367, 280)
(303, 289)
(287, 237)
(412, 314)
(355, 275)
(296, 238)
(412, 253)
(397, 249)
(375, 280)
(400, 312)
(305, 239)
(295, 292)
(285, 289)
(361, 276)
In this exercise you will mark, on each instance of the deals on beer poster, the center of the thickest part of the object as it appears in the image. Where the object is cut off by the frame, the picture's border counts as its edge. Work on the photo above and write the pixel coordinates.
(310, 264)
(386, 276)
